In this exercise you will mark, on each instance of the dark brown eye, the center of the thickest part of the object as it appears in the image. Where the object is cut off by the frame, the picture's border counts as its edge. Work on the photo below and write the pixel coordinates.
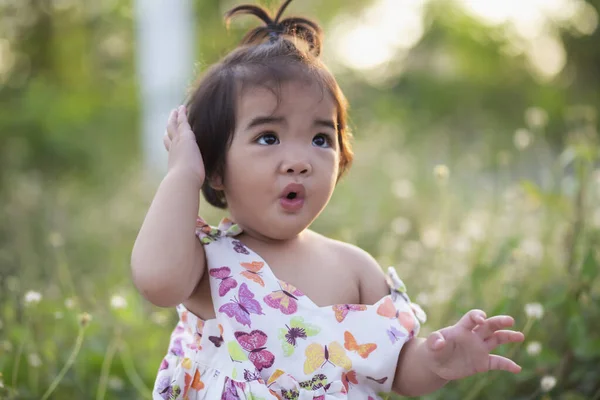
(322, 140)
(268, 139)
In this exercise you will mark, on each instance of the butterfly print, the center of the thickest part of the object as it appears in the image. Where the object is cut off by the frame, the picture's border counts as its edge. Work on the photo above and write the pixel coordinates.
(317, 382)
(389, 310)
(285, 299)
(224, 275)
(395, 334)
(297, 329)
(318, 355)
(363, 350)
(251, 376)
(231, 390)
(342, 310)
(217, 340)
(239, 247)
(292, 394)
(254, 343)
(192, 383)
(381, 381)
(177, 348)
(210, 234)
(242, 308)
(348, 378)
(167, 390)
(252, 271)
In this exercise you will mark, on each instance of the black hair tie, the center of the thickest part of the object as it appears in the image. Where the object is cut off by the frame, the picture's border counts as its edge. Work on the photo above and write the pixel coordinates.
(274, 31)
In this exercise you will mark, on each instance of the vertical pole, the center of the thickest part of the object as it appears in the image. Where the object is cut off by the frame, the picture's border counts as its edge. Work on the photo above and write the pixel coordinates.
(165, 56)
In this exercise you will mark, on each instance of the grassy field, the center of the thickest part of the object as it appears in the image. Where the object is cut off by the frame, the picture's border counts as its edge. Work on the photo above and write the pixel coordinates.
(515, 231)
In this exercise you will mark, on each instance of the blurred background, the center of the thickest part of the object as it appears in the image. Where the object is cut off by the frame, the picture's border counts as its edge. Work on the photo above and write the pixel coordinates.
(477, 175)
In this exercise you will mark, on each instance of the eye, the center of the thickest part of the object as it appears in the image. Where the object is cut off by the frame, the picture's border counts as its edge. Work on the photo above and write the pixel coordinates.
(322, 140)
(267, 139)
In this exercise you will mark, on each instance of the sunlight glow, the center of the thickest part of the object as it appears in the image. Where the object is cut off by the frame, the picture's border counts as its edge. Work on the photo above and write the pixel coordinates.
(373, 38)
(389, 28)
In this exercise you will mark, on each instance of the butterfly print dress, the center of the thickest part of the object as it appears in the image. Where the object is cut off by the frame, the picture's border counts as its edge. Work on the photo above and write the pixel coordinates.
(269, 341)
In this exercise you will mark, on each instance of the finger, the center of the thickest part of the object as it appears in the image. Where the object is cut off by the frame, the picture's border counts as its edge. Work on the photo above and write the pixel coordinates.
(493, 324)
(471, 319)
(436, 341)
(503, 337)
(172, 124)
(167, 141)
(181, 116)
(503, 364)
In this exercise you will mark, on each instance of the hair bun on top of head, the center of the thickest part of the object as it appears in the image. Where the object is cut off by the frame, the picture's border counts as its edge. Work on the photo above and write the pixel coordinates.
(275, 28)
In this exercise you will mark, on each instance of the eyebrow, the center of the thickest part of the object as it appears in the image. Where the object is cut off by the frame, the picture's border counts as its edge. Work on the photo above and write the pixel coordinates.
(327, 123)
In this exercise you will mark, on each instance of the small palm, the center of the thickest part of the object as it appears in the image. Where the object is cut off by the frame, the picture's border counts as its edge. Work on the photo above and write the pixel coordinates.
(464, 349)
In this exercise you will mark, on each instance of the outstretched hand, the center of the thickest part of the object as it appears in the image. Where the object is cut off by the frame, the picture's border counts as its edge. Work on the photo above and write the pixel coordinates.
(464, 349)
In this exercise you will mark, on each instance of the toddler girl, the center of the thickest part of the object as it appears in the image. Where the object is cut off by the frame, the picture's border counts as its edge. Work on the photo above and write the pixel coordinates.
(268, 308)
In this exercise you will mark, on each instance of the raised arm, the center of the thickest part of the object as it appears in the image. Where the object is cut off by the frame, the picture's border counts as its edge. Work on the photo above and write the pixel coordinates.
(167, 260)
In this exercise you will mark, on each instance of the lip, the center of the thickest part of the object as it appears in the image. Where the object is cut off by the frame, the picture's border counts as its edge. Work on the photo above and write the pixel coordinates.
(295, 204)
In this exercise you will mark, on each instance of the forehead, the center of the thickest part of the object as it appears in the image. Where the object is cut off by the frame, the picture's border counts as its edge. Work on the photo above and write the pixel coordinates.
(299, 97)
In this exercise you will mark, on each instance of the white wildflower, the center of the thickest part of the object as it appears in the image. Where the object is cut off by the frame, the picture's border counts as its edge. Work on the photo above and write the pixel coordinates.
(6, 346)
(403, 189)
(536, 117)
(115, 383)
(58, 315)
(412, 250)
(423, 298)
(534, 348)
(117, 302)
(34, 360)
(431, 237)
(32, 297)
(159, 318)
(522, 139)
(70, 303)
(56, 240)
(461, 244)
(401, 226)
(547, 383)
(441, 172)
(534, 310)
(532, 248)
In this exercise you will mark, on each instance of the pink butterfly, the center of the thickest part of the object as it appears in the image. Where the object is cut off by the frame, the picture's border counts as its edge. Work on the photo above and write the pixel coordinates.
(254, 343)
(242, 308)
(227, 281)
(285, 299)
(341, 310)
(231, 390)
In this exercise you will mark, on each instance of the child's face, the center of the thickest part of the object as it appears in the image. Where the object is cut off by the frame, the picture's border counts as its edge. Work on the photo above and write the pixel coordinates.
(275, 145)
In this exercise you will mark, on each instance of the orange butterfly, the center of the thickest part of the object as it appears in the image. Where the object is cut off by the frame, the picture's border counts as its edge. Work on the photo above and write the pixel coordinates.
(389, 310)
(363, 350)
(195, 383)
(253, 271)
(348, 378)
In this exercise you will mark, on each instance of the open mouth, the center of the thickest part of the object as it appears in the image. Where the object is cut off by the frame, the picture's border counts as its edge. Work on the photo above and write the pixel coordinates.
(291, 195)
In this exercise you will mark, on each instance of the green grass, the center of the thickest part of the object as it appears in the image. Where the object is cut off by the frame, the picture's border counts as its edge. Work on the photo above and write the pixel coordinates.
(485, 236)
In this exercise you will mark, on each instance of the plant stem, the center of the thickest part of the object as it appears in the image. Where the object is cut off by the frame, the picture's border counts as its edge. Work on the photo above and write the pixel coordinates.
(68, 364)
(108, 357)
(132, 374)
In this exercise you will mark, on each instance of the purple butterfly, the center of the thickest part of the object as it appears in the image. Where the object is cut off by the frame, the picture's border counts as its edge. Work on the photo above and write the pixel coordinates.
(216, 340)
(164, 365)
(231, 390)
(251, 376)
(227, 281)
(254, 343)
(242, 308)
(395, 334)
(177, 348)
(167, 389)
(239, 247)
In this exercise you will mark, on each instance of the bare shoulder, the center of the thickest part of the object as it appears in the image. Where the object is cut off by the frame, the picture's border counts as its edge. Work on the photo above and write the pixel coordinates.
(363, 267)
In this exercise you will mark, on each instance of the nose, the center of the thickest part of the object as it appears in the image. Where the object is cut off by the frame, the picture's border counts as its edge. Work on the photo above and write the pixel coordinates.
(296, 167)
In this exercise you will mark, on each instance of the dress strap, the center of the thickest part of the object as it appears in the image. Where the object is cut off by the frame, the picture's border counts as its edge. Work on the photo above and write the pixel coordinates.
(398, 292)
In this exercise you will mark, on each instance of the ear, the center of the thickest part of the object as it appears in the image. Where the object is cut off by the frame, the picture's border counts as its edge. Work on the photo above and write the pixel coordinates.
(216, 182)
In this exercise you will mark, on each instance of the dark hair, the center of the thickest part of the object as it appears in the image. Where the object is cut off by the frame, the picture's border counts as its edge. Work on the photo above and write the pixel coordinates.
(269, 55)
